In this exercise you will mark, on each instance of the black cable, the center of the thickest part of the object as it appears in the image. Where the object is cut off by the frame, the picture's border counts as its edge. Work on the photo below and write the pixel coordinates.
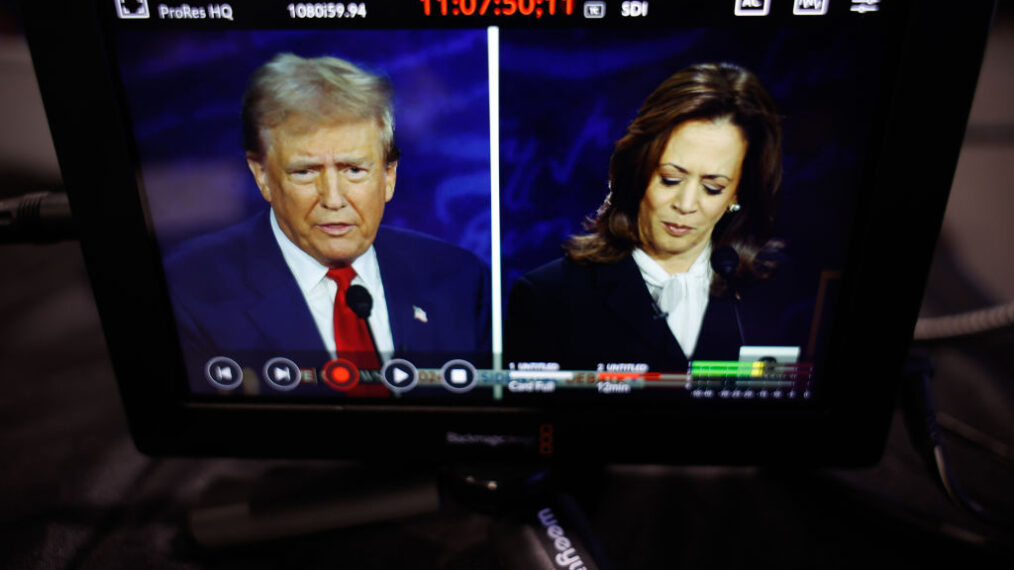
(920, 416)
(39, 217)
(984, 442)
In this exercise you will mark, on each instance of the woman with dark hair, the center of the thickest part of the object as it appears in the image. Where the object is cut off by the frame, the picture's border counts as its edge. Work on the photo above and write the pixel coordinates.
(675, 257)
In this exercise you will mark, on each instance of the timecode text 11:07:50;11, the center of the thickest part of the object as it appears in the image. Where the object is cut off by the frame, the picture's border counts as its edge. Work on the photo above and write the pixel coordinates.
(499, 7)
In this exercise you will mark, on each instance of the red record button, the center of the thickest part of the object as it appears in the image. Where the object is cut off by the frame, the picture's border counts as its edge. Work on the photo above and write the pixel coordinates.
(341, 374)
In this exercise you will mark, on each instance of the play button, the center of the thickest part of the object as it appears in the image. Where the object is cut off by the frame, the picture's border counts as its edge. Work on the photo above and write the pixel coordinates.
(400, 375)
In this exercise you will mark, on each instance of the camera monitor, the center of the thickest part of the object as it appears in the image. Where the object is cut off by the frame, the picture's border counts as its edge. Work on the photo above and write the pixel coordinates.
(623, 230)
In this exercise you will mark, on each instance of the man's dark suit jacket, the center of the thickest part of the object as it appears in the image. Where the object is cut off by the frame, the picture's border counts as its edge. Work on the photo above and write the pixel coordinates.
(582, 315)
(234, 296)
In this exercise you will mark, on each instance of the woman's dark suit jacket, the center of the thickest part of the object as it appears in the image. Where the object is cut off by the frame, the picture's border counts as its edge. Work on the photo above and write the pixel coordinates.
(582, 315)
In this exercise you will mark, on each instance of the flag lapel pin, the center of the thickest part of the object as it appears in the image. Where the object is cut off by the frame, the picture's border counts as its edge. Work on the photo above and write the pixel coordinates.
(419, 314)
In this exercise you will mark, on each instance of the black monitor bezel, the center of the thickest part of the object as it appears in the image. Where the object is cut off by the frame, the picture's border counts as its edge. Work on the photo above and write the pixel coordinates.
(880, 301)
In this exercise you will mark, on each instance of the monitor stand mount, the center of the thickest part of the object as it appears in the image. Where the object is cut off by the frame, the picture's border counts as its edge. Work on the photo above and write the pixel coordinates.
(535, 524)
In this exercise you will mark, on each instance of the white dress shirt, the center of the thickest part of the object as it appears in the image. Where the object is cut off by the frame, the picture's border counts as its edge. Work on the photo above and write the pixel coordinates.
(319, 291)
(683, 297)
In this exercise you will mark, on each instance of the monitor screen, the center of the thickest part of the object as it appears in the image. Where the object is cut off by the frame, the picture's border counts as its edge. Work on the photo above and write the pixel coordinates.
(500, 206)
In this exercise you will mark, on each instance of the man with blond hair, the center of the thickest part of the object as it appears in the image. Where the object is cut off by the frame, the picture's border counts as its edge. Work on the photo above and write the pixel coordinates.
(315, 277)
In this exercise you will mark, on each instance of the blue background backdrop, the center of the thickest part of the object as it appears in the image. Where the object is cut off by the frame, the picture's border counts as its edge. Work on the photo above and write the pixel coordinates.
(567, 96)
(184, 90)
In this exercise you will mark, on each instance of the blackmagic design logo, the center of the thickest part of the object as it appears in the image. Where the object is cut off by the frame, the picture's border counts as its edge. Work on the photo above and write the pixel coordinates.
(489, 439)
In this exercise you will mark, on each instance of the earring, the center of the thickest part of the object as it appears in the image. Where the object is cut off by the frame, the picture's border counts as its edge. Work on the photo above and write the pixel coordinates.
(734, 207)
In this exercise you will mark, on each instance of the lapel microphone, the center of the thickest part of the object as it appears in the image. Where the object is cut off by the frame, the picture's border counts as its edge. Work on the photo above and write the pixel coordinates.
(657, 313)
(725, 260)
(361, 302)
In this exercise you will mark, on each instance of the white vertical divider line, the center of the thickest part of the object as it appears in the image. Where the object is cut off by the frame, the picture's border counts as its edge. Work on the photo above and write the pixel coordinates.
(493, 55)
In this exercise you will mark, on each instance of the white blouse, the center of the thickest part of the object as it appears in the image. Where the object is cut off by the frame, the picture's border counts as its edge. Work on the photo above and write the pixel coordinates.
(683, 297)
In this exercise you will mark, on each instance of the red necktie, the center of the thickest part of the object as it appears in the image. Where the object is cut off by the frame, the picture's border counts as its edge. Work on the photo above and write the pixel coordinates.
(351, 334)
